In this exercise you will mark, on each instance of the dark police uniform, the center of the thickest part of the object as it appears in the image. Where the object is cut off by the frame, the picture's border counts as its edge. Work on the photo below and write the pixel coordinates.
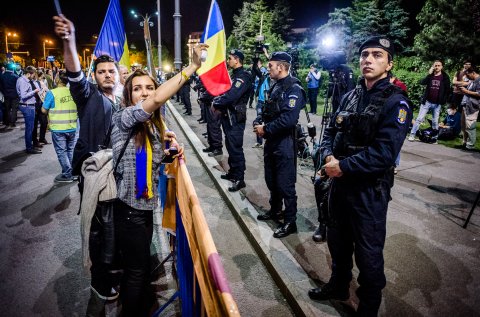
(233, 105)
(280, 115)
(365, 135)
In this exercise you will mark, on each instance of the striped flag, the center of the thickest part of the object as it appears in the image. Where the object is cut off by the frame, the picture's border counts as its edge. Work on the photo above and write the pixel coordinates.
(214, 73)
(112, 39)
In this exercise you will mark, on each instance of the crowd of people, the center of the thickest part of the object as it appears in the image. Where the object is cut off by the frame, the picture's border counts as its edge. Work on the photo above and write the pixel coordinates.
(122, 111)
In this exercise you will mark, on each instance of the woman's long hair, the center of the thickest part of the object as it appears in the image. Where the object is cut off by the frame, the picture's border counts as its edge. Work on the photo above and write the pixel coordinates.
(144, 130)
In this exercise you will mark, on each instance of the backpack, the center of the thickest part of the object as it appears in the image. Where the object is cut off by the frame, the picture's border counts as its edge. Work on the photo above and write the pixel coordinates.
(428, 135)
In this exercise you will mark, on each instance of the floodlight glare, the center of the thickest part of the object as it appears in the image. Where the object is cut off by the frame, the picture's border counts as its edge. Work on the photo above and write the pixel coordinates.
(328, 41)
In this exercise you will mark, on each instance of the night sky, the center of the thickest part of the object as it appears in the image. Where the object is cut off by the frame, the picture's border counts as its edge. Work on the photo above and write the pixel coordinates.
(34, 24)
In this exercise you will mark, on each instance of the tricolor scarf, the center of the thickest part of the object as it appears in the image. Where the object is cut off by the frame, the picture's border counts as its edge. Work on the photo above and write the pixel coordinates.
(143, 166)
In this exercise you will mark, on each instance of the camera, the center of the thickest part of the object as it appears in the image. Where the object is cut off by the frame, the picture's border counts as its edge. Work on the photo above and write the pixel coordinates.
(331, 61)
(259, 46)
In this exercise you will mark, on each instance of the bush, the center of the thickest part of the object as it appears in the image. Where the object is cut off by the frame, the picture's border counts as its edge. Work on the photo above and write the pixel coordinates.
(411, 79)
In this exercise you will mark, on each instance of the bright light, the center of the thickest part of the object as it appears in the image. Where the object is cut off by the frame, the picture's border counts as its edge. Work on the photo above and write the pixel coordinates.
(132, 12)
(167, 67)
(156, 13)
(328, 41)
(135, 15)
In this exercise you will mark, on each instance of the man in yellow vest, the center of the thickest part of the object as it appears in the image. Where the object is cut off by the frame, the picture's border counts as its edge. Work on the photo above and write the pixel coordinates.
(62, 114)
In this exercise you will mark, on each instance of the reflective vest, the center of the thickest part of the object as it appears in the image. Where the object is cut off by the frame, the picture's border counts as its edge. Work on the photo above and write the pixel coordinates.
(64, 115)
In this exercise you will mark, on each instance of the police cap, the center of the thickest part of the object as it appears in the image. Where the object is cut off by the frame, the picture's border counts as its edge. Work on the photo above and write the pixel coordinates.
(237, 53)
(281, 57)
(378, 42)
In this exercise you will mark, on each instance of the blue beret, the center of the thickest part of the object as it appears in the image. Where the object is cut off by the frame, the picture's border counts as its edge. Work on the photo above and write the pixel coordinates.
(378, 42)
(237, 53)
(281, 57)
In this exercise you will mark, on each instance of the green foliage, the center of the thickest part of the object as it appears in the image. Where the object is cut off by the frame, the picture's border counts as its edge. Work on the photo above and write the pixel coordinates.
(411, 80)
(247, 27)
(281, 21)
(232, 43)
(449, 30)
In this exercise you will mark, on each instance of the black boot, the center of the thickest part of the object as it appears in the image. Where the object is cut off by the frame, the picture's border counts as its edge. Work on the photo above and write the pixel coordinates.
(320, 234)
(329, 291)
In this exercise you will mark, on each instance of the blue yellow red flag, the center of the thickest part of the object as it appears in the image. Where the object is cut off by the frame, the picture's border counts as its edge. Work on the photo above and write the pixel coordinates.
(213, 73)
(112, 39)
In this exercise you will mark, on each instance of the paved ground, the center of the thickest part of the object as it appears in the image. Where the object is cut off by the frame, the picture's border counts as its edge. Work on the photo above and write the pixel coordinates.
(40, 256)
(432, 264)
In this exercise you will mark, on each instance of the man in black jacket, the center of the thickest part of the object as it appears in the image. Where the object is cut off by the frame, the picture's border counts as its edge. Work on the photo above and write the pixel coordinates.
(8, 83)
(95, 105)
(436, 94)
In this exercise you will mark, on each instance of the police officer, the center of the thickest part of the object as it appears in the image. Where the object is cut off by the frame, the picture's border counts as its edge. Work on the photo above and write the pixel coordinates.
(233, 105)
(213, 119)
(277, 124)
(360, 146)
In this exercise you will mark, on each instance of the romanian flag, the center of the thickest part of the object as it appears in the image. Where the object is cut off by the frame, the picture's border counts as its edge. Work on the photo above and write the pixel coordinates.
(112, 39)
(213, 73)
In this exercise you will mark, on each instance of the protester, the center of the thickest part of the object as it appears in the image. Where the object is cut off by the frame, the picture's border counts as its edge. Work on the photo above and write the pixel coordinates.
(27, 92)
(62, 114)
(471, 107)
(39, 82)
(95, 106)
(138, 176)
(460, 80)
(436, 94)
(450, 127)
(8, 86)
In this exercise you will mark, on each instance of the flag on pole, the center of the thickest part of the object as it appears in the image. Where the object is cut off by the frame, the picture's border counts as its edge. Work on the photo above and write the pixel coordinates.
(112, 39)
(213, 73)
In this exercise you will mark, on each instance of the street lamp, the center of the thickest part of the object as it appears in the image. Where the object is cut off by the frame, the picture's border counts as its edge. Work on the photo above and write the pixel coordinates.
(146, 23)
(44, 50)
(6, 39)
(84, 59)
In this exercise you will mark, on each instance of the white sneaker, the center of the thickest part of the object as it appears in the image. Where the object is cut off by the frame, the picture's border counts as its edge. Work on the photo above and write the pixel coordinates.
(257, 146)
(411, 138)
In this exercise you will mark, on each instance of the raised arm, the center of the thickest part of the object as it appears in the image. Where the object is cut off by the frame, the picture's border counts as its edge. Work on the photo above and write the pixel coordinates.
(65, 29)
(170, 87)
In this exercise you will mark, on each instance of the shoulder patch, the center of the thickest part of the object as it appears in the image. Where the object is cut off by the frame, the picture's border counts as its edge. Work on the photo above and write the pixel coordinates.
(402, 114)
(293, 96)
(292, 102)
(238, 83)
(404, 103)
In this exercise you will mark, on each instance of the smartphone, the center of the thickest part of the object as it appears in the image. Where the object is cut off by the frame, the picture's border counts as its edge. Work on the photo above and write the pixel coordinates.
(167, 159)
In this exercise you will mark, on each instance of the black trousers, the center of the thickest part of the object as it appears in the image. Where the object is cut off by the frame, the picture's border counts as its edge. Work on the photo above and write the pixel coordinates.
(312, 98)
(214, 130)
(280, 176)
(133, 233)
(360, 212)
(234, 143)
(185, 94)
(42, 119)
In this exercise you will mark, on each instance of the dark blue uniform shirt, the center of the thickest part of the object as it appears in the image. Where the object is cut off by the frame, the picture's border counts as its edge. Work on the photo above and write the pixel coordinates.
(391, 130)
(290, 103)
(241, 85)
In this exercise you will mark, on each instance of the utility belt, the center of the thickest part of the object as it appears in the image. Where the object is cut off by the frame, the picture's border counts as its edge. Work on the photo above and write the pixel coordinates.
(239, 112)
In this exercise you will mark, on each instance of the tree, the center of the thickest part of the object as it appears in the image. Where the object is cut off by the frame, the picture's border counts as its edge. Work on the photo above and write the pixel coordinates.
(395, 19)
(247, 27)
(366, 20)
(449, 30)
(281, 23)
(232, 43)
(339, 28)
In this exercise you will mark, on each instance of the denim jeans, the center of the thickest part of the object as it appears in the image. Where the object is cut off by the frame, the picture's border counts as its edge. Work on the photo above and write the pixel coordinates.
(423, 112)
(259, 107)
(64, 143)
(29, 116)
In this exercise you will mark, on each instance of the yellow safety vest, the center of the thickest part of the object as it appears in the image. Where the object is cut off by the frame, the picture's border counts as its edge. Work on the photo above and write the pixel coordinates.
(64, 115)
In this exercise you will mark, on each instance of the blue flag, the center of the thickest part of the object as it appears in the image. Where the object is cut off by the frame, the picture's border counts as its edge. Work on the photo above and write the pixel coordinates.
(112, 39)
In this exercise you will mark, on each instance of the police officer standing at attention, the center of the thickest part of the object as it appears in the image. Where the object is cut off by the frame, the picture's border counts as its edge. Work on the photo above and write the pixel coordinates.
(360, 146)
(277, 125)
(233, 105)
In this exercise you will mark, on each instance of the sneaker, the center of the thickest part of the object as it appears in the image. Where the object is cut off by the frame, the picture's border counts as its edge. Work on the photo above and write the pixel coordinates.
(62, 179)
(395, 171)
(75, 177)
(257, 146)
(34, 151)
(411, 138)
(113, 294)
